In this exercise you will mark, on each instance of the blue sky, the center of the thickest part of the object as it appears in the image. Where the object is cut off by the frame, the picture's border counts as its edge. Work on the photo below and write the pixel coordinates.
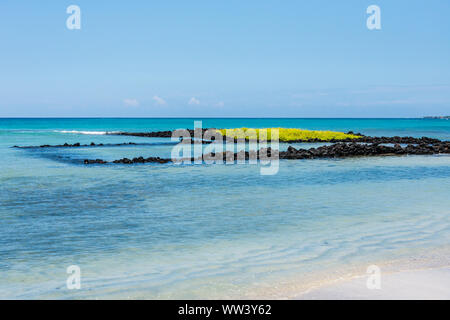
(224, 58)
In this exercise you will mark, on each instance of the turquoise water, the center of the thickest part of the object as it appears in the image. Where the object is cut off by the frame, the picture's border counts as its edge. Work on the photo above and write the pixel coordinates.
(205, 231)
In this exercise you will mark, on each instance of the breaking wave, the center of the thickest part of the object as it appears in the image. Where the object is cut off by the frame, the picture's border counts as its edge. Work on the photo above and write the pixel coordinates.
(86, 132)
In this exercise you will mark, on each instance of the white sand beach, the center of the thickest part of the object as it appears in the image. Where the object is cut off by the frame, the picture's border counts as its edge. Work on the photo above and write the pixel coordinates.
(417, 284)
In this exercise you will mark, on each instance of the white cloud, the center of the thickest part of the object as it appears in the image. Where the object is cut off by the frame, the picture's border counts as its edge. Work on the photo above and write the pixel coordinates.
(159, 100)
(131, 102)
(309, 95)
(194, 101)
(220, 104)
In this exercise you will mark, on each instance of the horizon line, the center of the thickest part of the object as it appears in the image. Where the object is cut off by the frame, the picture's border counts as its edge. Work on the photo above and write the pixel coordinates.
(202, 117)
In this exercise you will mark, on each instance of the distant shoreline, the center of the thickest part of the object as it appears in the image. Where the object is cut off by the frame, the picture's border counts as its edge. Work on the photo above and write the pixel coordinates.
(437, 117)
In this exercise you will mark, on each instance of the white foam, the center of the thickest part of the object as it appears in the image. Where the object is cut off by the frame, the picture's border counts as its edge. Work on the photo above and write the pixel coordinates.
(85, 132)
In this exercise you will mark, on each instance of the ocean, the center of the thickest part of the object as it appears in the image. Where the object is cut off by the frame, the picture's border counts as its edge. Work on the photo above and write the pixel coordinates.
(166, 231)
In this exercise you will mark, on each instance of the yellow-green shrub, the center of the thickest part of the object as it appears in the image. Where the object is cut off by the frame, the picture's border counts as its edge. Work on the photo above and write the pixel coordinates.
(286, 134)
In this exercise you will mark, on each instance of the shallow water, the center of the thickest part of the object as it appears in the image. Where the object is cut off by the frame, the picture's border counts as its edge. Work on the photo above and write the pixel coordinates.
(204, 231)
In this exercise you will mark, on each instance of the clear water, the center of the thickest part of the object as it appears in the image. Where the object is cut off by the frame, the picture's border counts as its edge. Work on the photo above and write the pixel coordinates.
(204, 231)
